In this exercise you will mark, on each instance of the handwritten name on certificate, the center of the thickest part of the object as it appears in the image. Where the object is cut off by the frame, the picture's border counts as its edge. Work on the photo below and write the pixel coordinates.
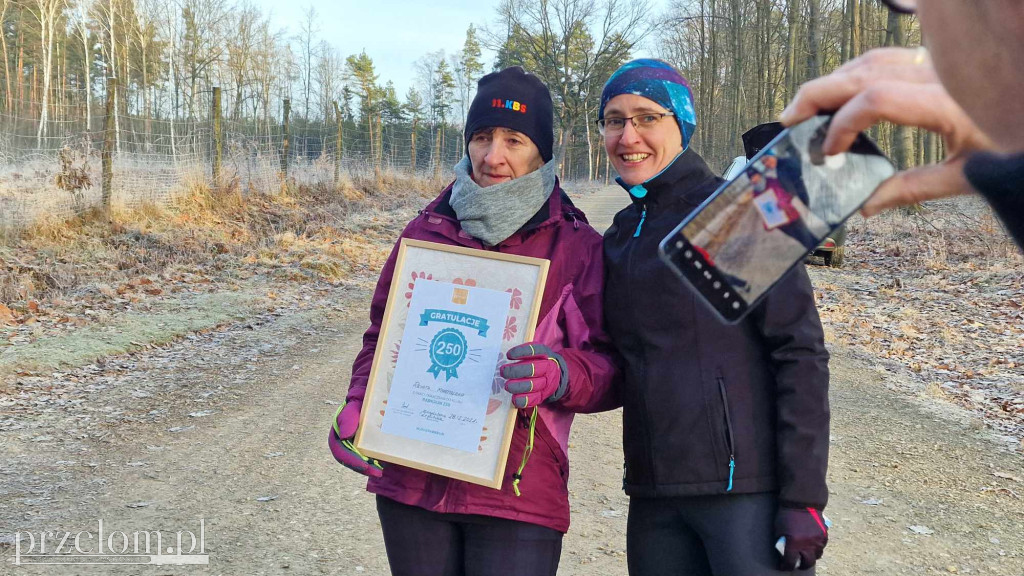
(450, 351)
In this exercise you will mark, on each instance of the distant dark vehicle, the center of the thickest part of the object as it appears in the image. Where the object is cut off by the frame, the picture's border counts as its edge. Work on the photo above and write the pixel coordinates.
(832, 250)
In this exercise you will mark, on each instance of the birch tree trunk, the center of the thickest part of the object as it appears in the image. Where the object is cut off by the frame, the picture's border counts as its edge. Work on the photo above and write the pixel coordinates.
(791, 21)
(8, 95)
(49, 10)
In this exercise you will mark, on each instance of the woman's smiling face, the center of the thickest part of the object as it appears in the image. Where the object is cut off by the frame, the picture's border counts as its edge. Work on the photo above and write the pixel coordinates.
(638, 155)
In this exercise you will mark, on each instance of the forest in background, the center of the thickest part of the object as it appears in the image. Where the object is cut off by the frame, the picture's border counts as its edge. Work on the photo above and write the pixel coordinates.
(744, 58)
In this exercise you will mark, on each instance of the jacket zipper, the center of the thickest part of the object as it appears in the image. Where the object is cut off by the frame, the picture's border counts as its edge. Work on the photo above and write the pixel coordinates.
(648, 443)
(728, 430)
(643, 216)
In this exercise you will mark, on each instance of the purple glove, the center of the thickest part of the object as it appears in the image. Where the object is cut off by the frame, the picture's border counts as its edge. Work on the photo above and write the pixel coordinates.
(806, 534)
(539, 376)
(343, 430)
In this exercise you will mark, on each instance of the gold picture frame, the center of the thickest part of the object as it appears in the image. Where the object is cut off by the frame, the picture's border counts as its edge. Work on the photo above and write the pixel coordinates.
(525, 279)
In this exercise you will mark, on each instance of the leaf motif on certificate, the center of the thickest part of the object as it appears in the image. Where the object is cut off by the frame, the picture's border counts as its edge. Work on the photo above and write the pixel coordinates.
(394, 353)
(416, 276)
(510, 328)
(517, 298)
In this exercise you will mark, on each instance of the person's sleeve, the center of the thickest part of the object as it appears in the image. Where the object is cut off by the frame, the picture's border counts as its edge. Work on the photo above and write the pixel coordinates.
(364, 359)
(788, 321)
(998, 179)
(591, 359)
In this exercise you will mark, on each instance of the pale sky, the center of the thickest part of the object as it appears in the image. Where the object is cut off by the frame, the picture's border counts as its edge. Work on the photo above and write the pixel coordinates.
(395, 33)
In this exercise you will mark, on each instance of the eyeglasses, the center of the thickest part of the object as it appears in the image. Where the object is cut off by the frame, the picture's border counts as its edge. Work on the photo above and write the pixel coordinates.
(902, 6)
(640, 122)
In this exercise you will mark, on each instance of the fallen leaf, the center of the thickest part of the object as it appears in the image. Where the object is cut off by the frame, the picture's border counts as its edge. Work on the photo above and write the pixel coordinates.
(1008, 476)
(6, 316)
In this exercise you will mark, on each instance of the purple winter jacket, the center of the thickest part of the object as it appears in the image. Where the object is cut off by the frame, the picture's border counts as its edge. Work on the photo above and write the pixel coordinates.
(571, 322)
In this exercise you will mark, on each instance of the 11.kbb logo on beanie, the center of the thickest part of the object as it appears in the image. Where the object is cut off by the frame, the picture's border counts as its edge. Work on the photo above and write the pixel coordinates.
(509, 105)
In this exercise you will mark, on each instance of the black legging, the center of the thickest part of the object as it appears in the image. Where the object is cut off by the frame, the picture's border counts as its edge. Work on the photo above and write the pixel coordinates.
(424, 543)
(799, 231)
(727, 535)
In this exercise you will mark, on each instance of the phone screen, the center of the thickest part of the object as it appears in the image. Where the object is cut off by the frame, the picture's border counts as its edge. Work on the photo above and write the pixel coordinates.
(781, 206)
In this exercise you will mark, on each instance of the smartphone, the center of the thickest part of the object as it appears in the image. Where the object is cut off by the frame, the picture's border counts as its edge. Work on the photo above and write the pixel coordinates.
(738, 243)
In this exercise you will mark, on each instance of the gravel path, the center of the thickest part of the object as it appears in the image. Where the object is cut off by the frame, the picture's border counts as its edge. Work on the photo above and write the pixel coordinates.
(230, 427)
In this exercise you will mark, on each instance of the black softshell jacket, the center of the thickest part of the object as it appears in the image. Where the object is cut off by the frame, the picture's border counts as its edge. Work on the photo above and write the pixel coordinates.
(1000, 179)
(699, 394)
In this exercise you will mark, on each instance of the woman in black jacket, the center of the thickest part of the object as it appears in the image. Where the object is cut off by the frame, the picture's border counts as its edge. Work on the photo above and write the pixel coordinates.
(725, 428)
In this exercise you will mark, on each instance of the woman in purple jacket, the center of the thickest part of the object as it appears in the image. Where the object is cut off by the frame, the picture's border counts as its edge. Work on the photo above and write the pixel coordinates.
(505, 198)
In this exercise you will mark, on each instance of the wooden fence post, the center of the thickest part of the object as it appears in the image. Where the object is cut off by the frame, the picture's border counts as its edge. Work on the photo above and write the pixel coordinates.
(107, 154)
(338, 148)
(218, 138)
(284, 139)
(412, 145)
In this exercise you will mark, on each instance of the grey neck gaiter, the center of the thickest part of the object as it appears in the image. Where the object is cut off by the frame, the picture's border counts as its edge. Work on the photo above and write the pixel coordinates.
(494, 213)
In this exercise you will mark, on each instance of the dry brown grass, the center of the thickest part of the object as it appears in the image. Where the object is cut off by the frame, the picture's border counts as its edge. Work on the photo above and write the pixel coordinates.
(944, 236)
(300, 232)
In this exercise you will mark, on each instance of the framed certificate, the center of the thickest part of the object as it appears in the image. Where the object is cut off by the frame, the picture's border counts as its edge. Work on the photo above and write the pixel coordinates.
(435, 400)
(768, 206)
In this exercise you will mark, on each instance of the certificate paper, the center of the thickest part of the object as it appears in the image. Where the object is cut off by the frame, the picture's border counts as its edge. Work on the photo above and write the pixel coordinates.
(442, 382)
(767, 204)
(467, 276)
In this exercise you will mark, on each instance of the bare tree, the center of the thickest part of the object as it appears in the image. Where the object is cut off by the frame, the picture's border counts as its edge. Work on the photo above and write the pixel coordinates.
(265, 71)
(201, 44)
(46, 13)
(308, 55)
(80, 25)
(328, 74)
(9, 94)
(557, 41)
(242, 45)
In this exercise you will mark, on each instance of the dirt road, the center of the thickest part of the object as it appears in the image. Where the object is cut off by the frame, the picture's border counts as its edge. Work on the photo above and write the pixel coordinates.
(230, 427)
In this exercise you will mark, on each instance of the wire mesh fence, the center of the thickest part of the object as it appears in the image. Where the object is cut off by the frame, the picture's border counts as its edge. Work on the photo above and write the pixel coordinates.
(56, 172)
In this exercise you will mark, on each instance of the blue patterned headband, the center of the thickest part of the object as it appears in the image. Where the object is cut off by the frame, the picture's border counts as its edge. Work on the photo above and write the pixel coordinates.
(657, 81)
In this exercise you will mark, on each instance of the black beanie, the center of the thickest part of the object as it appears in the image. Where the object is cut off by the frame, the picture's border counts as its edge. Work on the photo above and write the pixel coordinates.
(515, 99)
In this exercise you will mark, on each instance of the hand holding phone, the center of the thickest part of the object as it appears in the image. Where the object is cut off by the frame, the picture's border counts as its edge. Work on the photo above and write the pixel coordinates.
(737, 245)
